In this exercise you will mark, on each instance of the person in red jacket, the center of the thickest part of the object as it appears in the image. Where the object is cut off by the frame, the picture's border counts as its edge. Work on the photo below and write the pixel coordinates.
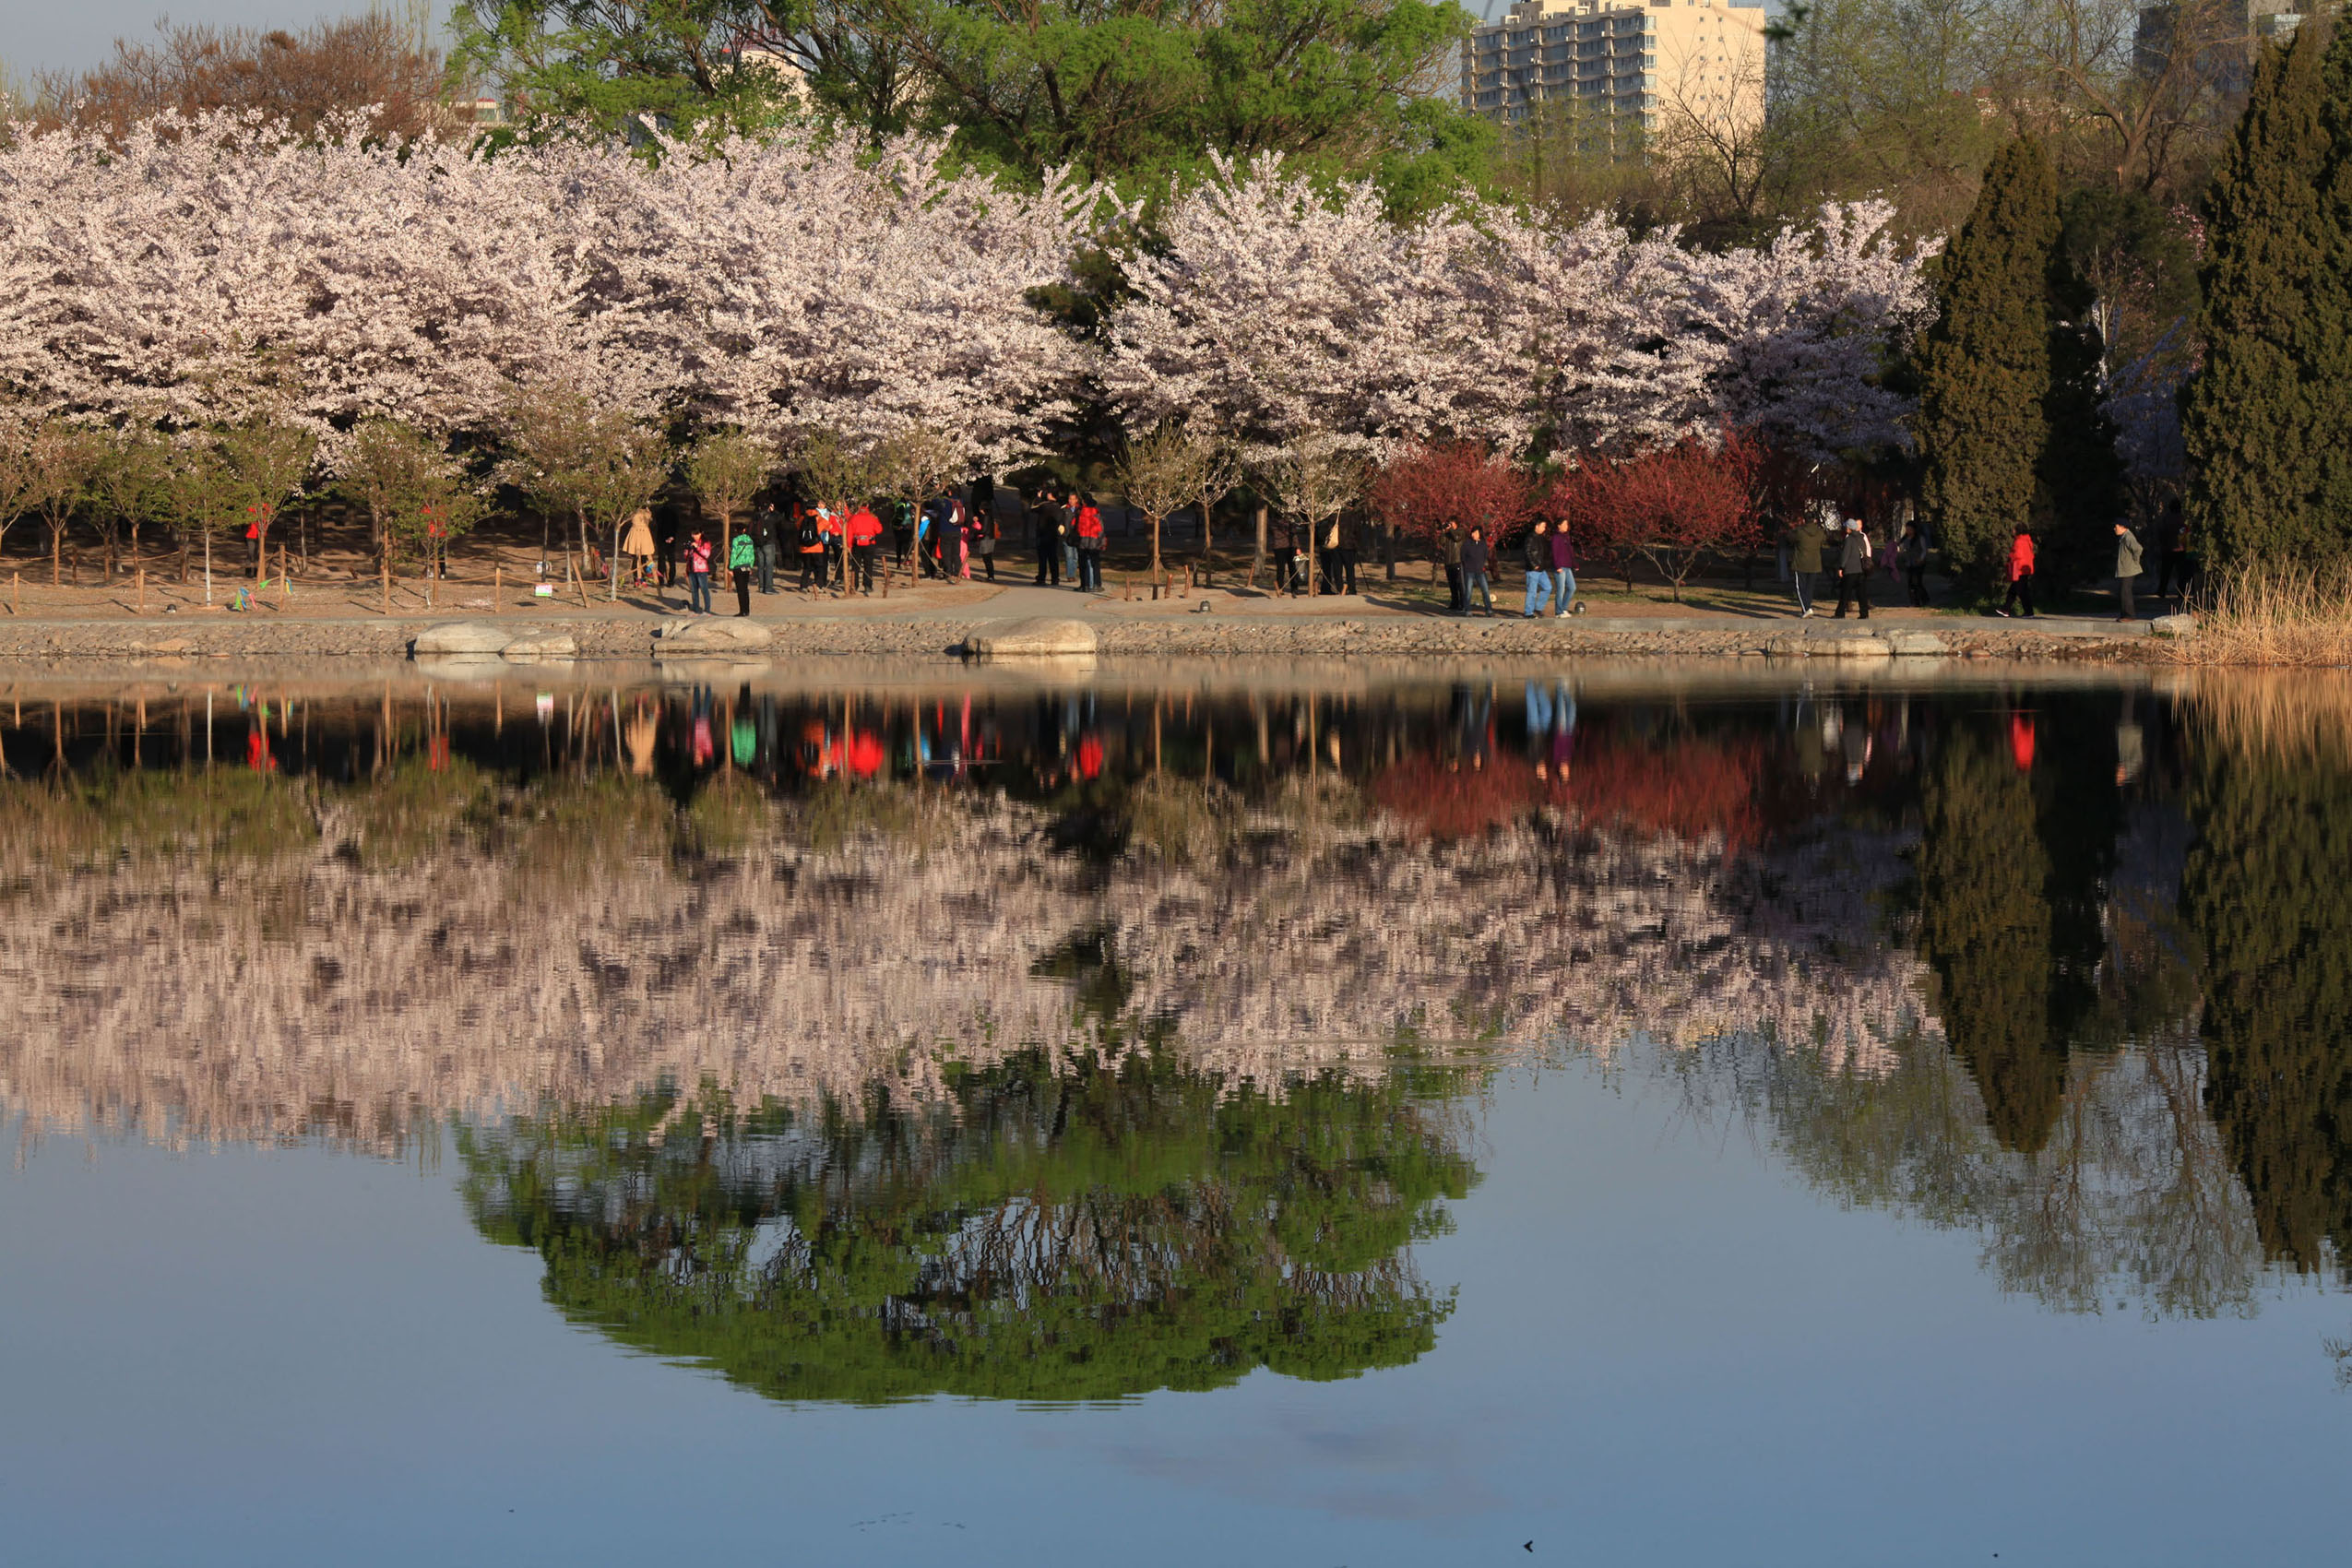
(865, 532)
(2021, 573)
(1089, 547)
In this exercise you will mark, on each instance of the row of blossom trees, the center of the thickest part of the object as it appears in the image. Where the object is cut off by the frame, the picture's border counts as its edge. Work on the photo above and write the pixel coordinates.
(216, 273)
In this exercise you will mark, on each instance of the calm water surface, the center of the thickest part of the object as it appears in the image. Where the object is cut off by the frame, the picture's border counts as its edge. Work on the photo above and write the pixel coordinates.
(1295, 1116)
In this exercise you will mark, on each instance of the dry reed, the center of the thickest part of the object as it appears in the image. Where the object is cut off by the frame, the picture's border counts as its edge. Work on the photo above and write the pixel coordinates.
(2274, 614)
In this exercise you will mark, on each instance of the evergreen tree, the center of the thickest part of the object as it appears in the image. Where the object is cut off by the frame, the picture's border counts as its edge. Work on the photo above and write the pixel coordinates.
(2079, 490)
(2268, 424)
(1984, 368)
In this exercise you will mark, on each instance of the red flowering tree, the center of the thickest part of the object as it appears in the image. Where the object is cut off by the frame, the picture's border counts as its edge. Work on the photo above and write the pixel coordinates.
(1672, 505)
(1425, 488)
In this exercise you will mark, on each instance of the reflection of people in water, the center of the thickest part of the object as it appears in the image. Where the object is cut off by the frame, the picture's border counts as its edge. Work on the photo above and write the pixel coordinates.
(1551, 727)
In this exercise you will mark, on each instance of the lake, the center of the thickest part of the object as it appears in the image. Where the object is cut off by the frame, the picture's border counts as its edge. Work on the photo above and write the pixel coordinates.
(1222, 1114)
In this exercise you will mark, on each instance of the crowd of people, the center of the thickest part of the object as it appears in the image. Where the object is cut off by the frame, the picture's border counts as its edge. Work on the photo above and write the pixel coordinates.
(958, 535)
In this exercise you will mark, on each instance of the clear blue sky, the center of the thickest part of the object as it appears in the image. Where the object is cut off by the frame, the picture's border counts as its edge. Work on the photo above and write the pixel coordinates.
(38, 35)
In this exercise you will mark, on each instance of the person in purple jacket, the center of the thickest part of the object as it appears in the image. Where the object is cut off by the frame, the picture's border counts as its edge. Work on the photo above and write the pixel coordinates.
(1564, 568)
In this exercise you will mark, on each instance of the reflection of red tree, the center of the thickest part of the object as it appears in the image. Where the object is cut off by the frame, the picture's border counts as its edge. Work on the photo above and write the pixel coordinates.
(1434, 799)
(1692, 789)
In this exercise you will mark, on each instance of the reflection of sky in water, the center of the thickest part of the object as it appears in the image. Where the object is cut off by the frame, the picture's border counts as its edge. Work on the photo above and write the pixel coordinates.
(1869, 1153)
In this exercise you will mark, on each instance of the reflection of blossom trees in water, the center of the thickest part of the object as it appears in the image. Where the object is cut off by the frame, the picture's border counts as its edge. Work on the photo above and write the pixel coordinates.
(2010, 1023)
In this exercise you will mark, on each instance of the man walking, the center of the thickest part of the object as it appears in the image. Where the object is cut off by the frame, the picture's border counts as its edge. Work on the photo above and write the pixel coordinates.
(1805, 543)
(766, 539)
(1457, 600)
(1474, 564)
(1046, 517)
(1538, 570)
(2127, 567)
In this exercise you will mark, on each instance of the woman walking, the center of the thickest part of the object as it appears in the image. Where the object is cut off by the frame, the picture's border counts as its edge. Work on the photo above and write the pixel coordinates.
(1457, 600)
(1089, 547)
(1854, 570)
(809, 543)
(698, 554)
(1564, 569)
(2021, 574)
(985, 529)
(637, 545)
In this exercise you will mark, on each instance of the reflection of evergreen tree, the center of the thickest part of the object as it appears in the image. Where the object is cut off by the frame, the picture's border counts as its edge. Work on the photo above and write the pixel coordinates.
(1103, 1232)
(2268, 891)
(1985, 929)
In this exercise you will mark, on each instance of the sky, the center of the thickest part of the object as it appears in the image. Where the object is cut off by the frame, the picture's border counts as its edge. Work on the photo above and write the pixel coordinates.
(37, 35)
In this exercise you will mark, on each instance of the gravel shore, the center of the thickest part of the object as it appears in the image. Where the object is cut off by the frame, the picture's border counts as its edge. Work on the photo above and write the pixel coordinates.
(1220, 633)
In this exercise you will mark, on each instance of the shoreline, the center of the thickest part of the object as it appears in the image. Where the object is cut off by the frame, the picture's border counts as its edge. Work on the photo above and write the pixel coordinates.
(942, 632)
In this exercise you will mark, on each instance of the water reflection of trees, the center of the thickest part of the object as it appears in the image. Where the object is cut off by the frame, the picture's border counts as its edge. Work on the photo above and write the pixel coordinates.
(2022, 932)
(1087, 1229)
(2268, 890)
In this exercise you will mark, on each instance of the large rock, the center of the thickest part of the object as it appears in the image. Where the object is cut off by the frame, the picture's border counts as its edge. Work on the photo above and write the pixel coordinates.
(476, 638)
(1916, 644)
(1049, 636)
(1799, 644)
(2173, 626)
(533, 646)
(721, 636)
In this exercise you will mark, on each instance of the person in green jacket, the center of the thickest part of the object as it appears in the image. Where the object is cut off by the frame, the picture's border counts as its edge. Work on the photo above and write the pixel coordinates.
(742, 555)
(1805, 541)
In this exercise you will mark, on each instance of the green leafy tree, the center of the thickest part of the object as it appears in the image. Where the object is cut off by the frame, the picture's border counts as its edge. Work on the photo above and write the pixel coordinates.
(626, 67)
(724, 470)
(2267, 424)
(1095, 1232)
(62, 458)
(1131, 90)
(267, 462)
(128, 487)
(203, 496)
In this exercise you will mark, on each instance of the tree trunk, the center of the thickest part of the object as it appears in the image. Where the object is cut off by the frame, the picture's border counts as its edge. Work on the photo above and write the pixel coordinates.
(1257, 554)
(1388, 549)
(1155, 545)
(57, 554)
(207, 565)
(1314, 577)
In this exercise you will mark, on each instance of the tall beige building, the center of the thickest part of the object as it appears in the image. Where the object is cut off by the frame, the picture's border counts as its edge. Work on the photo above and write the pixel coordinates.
(1677, 68)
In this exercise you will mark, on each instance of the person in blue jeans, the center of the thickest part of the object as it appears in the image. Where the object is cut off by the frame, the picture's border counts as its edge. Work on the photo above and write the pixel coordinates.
(1538, 569)
(698, 554)
(1474, 558)
(1564, 567)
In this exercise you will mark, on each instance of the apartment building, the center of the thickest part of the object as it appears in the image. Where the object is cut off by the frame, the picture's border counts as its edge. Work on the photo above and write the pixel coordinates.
(1666, 67)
